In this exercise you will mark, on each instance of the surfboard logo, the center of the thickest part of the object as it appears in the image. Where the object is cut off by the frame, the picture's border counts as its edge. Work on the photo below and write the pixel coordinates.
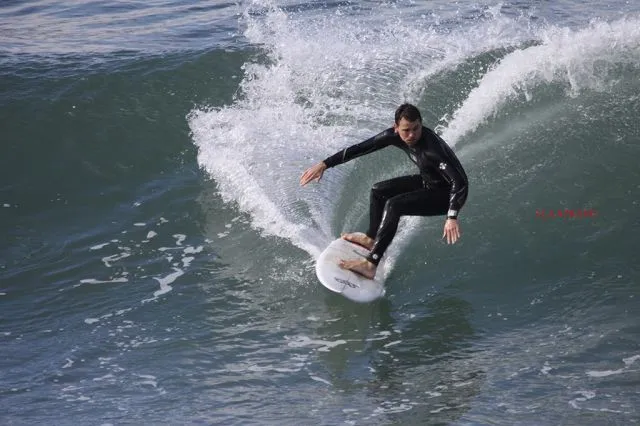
(356, 252)
(346, 282)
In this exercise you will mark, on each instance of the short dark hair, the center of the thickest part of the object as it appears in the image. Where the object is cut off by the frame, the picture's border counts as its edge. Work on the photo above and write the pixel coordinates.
(408, 112)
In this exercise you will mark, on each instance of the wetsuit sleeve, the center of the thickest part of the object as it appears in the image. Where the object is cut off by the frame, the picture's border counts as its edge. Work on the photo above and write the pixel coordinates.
(452, 171)
(379, 141)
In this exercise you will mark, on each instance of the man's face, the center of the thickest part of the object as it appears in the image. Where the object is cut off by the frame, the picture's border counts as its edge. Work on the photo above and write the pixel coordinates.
(409, 131)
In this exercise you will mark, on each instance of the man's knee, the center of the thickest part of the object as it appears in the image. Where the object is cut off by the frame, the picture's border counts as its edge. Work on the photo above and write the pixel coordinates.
(378, 186)
(390, 210)
(377, 190)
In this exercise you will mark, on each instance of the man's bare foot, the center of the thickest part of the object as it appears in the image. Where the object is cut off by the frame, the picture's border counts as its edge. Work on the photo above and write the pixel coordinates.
(361, 267)
(360, 239)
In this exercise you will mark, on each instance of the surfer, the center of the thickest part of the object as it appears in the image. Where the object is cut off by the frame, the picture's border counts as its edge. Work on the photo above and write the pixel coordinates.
(440, 188)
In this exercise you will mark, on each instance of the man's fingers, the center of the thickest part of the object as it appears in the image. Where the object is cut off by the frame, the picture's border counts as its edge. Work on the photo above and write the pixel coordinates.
(309, 175)
(452, 235)
(306, 177)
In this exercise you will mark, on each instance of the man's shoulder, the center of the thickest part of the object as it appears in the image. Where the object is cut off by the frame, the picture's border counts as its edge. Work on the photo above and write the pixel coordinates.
(429, 131)
(386, 136)
(386, 133)
(432, 136)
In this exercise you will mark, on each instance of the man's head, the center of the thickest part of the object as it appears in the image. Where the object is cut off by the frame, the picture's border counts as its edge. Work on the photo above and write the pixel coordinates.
(408, 123)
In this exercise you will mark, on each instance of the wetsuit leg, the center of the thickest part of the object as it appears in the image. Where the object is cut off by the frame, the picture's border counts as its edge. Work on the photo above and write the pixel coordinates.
(421, 202)
(381, 192)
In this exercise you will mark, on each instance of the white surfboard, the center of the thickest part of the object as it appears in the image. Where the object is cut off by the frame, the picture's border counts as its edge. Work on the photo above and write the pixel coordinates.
(351, 285)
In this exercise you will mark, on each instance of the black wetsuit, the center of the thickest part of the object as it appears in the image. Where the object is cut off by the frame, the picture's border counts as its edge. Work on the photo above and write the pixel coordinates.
(440, 188)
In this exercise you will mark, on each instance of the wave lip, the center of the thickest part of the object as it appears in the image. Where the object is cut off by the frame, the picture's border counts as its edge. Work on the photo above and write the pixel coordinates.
(578, 60)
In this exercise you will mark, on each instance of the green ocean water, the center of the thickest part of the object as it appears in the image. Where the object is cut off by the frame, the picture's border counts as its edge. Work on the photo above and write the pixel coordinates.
(157, 257)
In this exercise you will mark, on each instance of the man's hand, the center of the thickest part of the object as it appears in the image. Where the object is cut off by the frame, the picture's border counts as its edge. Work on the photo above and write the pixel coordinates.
(451, 231)
(313, 173)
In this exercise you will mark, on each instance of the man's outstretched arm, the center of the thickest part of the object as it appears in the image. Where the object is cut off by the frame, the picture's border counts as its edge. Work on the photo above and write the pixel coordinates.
(313, 173)
(379, 141)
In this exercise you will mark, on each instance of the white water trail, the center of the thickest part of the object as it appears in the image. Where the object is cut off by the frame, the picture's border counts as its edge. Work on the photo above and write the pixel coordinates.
(335, 80)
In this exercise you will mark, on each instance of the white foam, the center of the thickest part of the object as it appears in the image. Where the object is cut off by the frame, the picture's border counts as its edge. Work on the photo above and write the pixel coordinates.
(584, 396)
(318, 379)
(304, 341)
(383, 335)
(165, 281)
(148, 380)
(631, 360)
(390, 408)
(192, 250)
(95, 281)
(99, 246)
(578, 59)
(604, 373)
(244, 367)
(108, 376)
(108, 260)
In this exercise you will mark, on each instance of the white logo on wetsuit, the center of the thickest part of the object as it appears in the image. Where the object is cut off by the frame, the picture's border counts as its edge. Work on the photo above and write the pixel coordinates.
(442, 166)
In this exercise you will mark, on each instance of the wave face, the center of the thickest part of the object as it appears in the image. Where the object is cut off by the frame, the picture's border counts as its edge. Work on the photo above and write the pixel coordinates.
(324, 81)
(543, 116)
(157, 255)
